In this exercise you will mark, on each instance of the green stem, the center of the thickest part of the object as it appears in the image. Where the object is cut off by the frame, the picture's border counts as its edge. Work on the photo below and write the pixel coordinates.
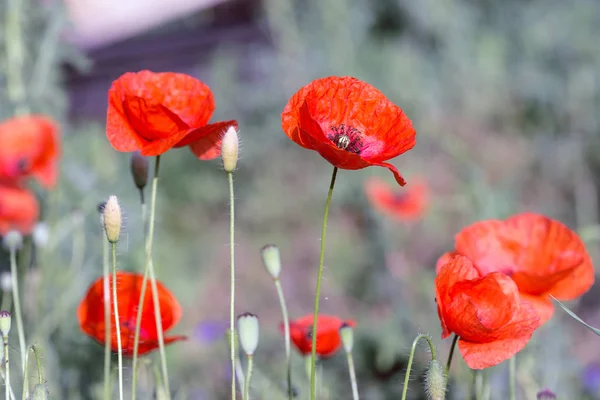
(140, 308)
(117, 325)
(512, 376)
(17, 301)
(286, 332)
(15, 54)
(450, 354)
(25, 391)
(313, 357)
(107, 320)
(412, 356)
(248, 376)
(38, 362)
(478, 385)
(6, 368)
(232, 273)
(352, 375)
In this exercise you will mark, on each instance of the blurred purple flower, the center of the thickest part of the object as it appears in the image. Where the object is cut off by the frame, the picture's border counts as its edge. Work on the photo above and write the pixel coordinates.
(210, 331)
(546, 394)
(591, 378)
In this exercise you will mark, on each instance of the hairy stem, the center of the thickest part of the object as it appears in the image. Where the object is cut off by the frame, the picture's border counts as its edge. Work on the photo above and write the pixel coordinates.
(107, 320)
(248, 376)
(352, 375)
(313, 358)
(412, 356)
(117, 325)
(17, 304)
(232, 283)
(286, 332)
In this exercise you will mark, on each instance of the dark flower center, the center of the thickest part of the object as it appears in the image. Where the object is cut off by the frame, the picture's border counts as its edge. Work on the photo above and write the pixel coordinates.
(346, 138)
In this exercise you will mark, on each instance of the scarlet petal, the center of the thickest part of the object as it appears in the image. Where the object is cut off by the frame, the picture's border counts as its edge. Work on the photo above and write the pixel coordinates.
(19, 210)
(542, 305)
(485, 355)
(205, 142)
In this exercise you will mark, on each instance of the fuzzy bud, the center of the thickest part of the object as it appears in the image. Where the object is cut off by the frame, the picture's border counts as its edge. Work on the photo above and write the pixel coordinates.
(546, 394)
(139, 169)
(13, 241)
(271, 260)
(347, 335)
(248, 332)
(229, 149)
(39, 393)
(435, 381)
(5, 322)
(112, 219)
(6, 281)
(41, 235)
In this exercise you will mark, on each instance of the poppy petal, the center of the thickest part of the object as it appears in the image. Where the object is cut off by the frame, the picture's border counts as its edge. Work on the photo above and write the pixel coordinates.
(485, 355)
(542, 305)
(19, 210)
(205, 142)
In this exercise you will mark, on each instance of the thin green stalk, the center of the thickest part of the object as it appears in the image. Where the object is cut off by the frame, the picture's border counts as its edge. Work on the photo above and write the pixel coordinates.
(286, 332)
(17, 301)
(38, 362)
(412, 356)
(232, 273)
(15, 54)
(140, 308)
(6, 368)
(25, 391)
(313, 357)
(117, 325)
(512, 376)
(248, 376)
(478, 385)
(107, 319)
(149, 272)
(352, 375)
(450, 354)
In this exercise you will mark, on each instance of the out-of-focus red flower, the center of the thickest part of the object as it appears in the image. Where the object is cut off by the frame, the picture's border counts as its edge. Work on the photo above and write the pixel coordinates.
(19, 210)
(154, 112)
(406, 205)
(542, 256)
(328, 334)
(349, 123)
(486, 312)
(29, 146)
(91, 313)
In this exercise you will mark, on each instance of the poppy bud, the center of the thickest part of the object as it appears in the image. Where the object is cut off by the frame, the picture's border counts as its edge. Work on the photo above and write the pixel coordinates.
(5, 323)
(13, 241)
(41, 235)
(248, 332)
(229, 149)
(139, 169)
(435, 381)
(6, 282)
(39, 393)
(271, 260)
(546, 394)
(347, 335)
(112, 219)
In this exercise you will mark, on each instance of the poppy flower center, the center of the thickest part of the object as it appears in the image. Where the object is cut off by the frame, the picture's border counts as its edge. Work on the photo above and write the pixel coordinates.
(346, 138)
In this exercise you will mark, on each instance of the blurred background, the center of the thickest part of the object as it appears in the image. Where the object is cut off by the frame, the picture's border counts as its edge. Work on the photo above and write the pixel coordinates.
(504, 96)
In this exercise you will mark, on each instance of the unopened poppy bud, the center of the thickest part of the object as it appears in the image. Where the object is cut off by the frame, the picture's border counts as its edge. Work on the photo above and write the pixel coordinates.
(5, 322)
(435, 381)
(546, 394)
(41, 235)
(271, 260)
(248, 332)
(39, 392)
(347, 335)
(13, 241)
(139, 169)
(229, 149)
(112, 219)
(6, 282)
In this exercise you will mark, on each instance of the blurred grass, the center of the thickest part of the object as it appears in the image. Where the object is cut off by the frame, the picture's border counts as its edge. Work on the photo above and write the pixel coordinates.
(504, 97)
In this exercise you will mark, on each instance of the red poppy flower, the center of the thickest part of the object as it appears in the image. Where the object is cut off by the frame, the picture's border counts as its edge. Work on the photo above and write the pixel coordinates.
(328, 334)
(29, 146)
(91, 313)
(486, 312)
(542, 256)
(406, 205)
(19, 210)
(154, 112)
(349, 123)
